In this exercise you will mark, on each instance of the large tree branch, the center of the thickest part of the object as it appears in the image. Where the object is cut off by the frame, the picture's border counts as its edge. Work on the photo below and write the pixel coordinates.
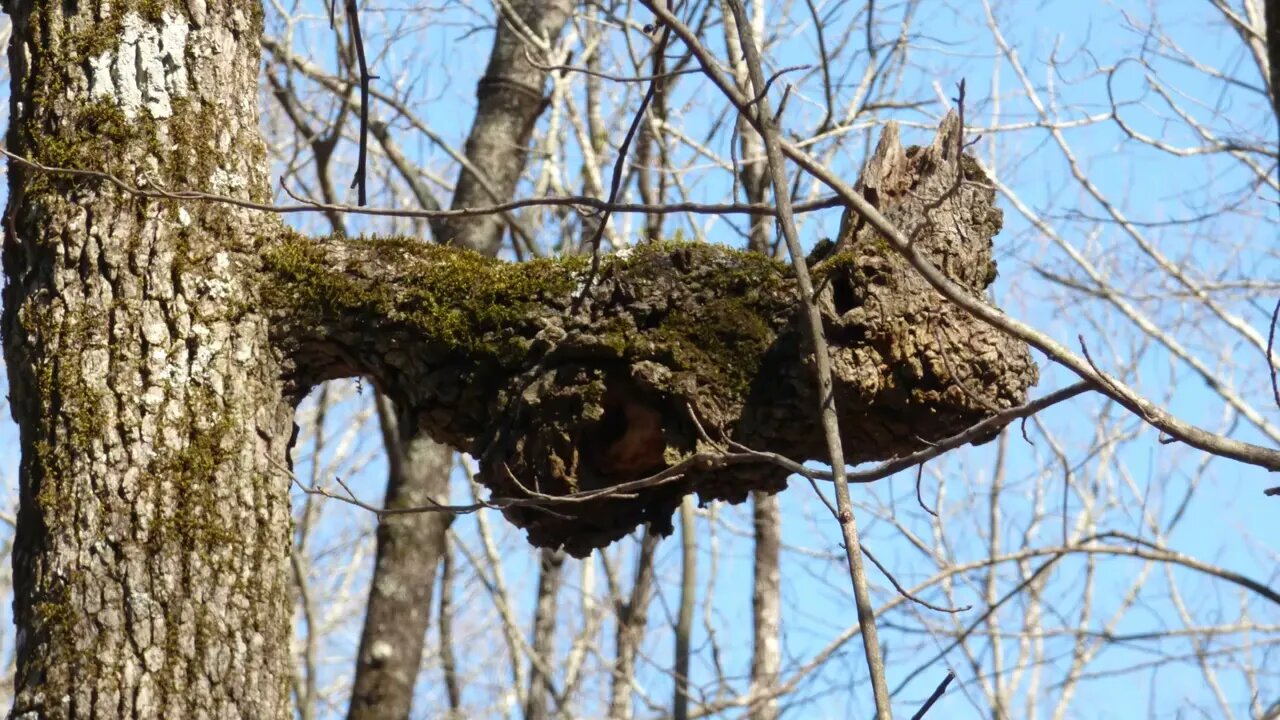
(903, 245)
(671, 341)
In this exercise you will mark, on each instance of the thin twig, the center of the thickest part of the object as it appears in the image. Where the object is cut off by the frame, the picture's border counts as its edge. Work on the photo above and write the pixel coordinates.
(919, 497)
(615, 184)
(769, 83)
(907, 593)
(937, 694)
(607, 76)
(822, 361)
(982, 429)
(1271, 341)
(698, 462)
(360, 181)
(154, 191)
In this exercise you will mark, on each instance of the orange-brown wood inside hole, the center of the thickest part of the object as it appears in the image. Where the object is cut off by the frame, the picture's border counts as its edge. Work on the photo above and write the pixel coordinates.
(628, 443)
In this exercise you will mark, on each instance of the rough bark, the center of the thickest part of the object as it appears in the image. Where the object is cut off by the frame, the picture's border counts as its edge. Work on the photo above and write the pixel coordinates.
(494, 359)
(410, 545)
(152, 545)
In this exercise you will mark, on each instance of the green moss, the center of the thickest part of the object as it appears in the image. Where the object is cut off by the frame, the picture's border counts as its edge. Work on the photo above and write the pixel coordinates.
(189, 521)
(153, 10)
(192, 520)
(724, 338)
(723, 342)
(618, 333)
(96, 39)
(464, 300)
(973, 172)
(732, 269)
(94, 132)
(454, 296)
(71, 401)
(845, 262)
(54, 613)
(192, 155)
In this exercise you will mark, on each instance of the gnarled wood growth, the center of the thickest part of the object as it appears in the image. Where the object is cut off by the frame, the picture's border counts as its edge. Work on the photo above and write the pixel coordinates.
(155, 349)
(556, 397)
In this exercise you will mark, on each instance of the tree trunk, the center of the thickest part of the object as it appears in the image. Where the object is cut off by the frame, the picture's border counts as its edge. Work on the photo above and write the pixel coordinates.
(153, 531)
(448, 662)
(409, 549)
(509, 101)
(684, 619)
(410, 545)
(766, 586)
(632, 618)
(542, 643)
(766, 607)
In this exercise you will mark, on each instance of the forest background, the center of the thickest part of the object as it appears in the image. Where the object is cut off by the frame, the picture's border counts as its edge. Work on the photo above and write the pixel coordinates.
(1133, 148)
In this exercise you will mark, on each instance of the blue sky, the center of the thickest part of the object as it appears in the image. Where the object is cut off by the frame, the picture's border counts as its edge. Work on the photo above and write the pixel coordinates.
(1227, 523)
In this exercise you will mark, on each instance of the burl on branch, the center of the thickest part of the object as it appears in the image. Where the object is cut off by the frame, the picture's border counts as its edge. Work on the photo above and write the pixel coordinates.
(674, 351)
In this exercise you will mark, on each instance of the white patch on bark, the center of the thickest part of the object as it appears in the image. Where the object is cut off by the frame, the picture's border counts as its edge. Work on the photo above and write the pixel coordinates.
(381, 651)
(199, 11)
(220, 284)
(227, 181)
(147, 69)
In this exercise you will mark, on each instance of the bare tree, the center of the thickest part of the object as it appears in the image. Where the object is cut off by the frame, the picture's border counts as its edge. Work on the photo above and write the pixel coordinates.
(161, 326)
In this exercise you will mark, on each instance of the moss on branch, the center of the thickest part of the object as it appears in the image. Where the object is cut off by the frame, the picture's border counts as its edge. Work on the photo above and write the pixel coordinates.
(558, 391)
